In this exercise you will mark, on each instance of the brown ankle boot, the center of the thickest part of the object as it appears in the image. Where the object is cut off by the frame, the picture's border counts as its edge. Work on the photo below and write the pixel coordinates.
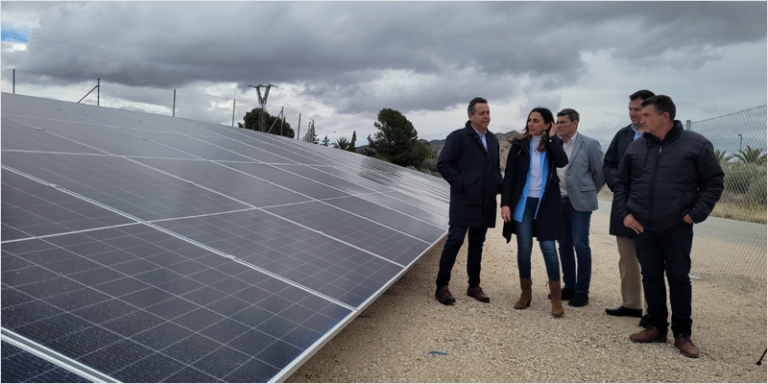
(525, 296)
(557, 302)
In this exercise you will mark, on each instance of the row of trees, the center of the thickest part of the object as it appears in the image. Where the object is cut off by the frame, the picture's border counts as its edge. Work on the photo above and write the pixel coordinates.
(272, 124)
(395, 141)
(747, 156)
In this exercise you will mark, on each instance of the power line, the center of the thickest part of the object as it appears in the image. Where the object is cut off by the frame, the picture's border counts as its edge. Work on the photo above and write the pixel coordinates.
(52, 74)
(91, 50)
(200, 94)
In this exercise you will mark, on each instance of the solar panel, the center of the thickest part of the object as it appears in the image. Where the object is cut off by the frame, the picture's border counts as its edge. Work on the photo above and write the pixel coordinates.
(19, 366)
(103, 138)
(166, 300)
(327, 179)
(386, 242)
(31, 209)
(17, 136)
(290, 181)
(301, 255)
(146, 248)
(27, 106)
(245, 188)
(390, 217)
(122, 184)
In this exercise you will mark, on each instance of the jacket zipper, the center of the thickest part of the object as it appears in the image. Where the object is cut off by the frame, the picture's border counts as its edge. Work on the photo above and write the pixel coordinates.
(653, 186)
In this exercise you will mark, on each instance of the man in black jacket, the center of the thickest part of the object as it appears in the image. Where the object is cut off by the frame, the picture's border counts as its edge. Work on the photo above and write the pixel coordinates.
(668, 180)
(629, 267)
(469, 162)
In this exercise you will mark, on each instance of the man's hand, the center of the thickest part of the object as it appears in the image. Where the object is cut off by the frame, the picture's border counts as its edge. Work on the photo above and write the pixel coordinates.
(506, 214)
(688, 219)
(631, 223)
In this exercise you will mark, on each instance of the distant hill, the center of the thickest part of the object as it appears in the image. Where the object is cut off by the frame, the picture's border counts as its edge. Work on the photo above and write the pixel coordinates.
(504, 138)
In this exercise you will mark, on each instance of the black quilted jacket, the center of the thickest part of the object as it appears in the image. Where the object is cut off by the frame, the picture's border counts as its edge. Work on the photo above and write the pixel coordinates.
(662, 181)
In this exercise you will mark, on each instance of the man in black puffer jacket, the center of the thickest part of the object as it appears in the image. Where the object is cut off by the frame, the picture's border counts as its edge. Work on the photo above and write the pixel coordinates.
(668, 180)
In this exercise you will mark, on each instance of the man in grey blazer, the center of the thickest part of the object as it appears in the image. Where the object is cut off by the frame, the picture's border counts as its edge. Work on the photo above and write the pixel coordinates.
(580, 181)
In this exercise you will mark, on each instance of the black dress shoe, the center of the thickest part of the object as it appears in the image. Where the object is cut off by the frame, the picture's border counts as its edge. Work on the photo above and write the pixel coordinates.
(579, 300)
(645, 321)
(624, 311)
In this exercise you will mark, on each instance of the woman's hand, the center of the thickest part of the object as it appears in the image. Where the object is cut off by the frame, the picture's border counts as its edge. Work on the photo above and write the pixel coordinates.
(506, 214)
(553, 130)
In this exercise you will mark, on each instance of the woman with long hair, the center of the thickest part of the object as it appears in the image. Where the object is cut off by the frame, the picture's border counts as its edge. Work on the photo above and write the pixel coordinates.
(530, 201)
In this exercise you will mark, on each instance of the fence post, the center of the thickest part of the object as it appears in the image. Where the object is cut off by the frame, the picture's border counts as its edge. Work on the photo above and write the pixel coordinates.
(174, 103)
(234, 102)
(98, 91)
(687, 125)
(14, 81)
(298, 135)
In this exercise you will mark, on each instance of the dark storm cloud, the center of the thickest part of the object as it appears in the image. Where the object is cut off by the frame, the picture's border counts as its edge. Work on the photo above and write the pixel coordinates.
(361, 57)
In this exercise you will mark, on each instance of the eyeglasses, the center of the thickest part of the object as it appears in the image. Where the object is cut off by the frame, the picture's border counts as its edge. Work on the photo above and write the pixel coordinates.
(563, 122)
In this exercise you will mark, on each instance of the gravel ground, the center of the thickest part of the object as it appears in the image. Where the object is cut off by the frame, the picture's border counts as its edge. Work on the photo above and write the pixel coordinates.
(495, 343)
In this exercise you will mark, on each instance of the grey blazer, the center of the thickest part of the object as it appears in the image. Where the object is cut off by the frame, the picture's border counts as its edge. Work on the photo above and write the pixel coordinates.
(584, 177)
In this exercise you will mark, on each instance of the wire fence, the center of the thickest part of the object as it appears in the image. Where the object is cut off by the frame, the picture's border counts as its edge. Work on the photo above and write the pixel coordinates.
(733, 240)
(175, 102)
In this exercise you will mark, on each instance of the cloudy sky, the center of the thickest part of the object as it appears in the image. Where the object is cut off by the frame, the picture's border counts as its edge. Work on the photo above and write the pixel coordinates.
(340, 63)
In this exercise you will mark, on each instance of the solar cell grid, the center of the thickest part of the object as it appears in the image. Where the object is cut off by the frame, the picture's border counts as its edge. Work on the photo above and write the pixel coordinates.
(19, 366)
(33, 209)
(122, 329)
(143, 305)
(390, 218)
(327, 179)
(97, 115)
(441, 221)
(17, 136)
(122, 184)
(377, 239)
(292, 182)
(295, 253)
(246, 150)
(243, 187)
(15, 105)
(354, 177)
(191, 145)
(105, 138)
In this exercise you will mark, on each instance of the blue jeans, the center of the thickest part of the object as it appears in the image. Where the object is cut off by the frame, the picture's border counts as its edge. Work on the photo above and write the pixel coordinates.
(524, 233)
(574, 233)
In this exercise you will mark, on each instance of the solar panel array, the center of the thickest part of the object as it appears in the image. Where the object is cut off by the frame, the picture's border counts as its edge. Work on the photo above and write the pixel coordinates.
(147, 248)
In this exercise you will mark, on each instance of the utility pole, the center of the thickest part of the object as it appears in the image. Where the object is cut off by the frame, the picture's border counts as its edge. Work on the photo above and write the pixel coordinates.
(741, 139)
(263, 102)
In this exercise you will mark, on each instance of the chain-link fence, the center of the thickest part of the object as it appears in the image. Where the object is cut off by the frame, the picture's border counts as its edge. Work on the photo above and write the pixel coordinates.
(731, 244)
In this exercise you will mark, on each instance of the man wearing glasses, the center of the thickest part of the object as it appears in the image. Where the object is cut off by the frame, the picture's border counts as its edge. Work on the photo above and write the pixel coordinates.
(580, 181)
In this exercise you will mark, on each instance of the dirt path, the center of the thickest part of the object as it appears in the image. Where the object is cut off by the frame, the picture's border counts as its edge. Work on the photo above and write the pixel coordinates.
(496, 343)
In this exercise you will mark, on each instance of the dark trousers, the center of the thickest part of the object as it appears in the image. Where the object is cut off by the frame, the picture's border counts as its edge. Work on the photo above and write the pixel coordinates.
(451, 249)
(667, 251)
(574, 234)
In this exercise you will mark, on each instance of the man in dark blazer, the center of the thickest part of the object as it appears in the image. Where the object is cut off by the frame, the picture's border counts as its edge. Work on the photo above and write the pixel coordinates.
(469, 162)
(580, 181)
(629, 266)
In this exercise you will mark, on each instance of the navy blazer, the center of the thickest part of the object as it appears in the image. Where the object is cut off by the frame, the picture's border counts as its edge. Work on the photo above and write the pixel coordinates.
(474, 176)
